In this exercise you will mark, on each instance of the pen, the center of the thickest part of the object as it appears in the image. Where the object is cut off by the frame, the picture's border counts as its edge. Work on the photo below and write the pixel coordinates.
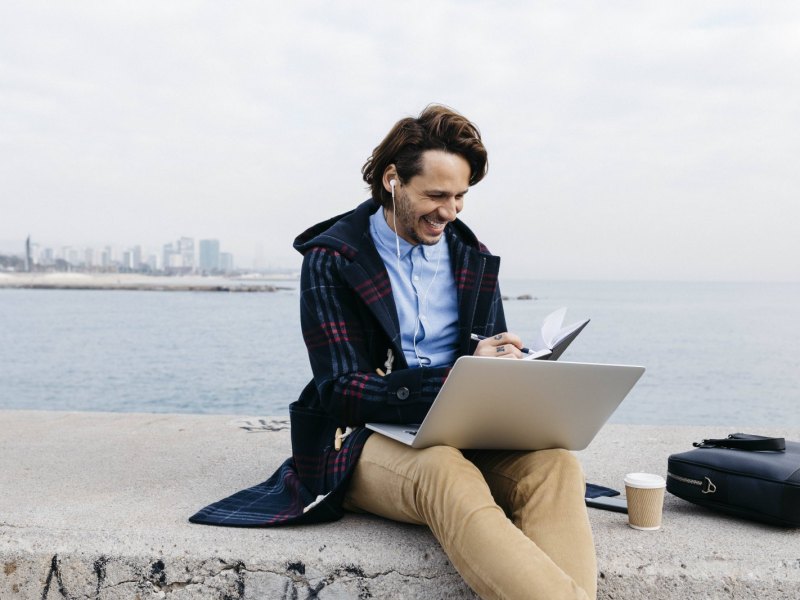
(478, 338)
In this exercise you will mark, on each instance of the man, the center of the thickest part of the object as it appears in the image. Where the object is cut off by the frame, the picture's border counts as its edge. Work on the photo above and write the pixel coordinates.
(390, 294)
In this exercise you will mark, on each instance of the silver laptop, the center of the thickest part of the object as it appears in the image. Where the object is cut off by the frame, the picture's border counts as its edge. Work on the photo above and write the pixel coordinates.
(498, 403)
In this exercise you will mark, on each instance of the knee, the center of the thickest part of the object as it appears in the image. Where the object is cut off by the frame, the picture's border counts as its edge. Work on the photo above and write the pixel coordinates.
(563, 462)
(555, 469)
(564, 467)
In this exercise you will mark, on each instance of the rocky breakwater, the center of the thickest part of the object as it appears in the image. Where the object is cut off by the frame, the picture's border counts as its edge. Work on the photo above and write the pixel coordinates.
(131, 281)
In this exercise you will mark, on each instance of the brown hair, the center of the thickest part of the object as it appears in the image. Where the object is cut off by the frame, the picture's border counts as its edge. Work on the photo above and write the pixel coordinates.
(437, 128)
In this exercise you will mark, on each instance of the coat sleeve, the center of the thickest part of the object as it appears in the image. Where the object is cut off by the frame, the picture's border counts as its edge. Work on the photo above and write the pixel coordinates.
(339, 332)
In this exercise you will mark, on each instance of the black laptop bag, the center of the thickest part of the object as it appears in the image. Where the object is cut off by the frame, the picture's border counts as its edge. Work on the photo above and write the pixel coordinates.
(749, 476)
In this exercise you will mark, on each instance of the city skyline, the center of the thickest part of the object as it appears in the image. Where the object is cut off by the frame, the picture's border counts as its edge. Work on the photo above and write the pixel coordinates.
(182, 256)
(256, 259)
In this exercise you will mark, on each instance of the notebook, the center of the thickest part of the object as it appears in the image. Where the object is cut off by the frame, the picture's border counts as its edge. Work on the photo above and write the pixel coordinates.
(497, 403)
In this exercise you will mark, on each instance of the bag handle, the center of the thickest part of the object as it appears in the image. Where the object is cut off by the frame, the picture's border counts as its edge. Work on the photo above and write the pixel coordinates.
(745, 441)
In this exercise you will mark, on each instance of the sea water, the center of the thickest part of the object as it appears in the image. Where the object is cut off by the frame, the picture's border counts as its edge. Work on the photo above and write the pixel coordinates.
(715, 353)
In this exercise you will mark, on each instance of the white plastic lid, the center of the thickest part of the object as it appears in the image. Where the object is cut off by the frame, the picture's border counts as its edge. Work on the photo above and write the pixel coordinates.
(644, 480)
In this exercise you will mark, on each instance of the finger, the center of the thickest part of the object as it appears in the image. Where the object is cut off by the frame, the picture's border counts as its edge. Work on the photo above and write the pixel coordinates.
(507, 351)
(507, 338)
(487, 347)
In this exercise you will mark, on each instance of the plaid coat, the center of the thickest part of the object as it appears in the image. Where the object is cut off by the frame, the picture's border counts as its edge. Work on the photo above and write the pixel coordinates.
(349, 323)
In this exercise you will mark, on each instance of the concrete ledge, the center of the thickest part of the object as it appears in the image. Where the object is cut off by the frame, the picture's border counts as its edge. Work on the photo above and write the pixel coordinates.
(94, 505)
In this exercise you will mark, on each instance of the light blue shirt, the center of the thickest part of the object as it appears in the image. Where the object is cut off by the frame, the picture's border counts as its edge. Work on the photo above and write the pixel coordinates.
(424, 291)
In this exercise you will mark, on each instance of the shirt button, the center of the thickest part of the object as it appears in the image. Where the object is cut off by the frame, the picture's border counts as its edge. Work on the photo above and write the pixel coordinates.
(402, 393)
(423, 318)
(416, 277)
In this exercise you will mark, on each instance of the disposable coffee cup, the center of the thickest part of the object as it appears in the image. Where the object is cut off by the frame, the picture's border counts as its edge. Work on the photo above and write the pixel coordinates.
(645, 494)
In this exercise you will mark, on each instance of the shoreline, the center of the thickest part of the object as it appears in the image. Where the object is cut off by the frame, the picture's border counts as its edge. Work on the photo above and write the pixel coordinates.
(140, 282)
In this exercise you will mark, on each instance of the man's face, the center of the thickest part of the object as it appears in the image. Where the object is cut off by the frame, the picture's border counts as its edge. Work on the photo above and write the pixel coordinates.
(430, 200)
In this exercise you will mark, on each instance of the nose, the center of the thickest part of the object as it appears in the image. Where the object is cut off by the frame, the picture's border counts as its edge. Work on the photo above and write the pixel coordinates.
(449, 209)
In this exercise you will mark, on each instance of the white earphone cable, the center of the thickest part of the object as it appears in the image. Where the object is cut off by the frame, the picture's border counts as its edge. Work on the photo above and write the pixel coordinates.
(392, 183)
(423, 300)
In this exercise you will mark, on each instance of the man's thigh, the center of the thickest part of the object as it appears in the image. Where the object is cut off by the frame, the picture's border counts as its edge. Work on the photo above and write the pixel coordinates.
(389, 477)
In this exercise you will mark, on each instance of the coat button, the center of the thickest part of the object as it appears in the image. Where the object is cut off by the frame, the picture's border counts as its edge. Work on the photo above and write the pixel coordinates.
(402, 393)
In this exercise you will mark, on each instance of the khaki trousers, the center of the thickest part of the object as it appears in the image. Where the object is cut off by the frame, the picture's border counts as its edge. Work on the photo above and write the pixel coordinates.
(513, 524)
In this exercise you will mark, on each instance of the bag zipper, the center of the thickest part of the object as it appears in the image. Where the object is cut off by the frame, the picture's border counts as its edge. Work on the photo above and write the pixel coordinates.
(706, 485)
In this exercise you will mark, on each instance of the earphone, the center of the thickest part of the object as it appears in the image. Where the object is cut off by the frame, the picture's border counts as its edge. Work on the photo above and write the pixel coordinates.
(392, 183)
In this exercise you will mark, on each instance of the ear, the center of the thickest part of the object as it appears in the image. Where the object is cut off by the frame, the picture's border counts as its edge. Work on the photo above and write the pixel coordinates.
(389, 174)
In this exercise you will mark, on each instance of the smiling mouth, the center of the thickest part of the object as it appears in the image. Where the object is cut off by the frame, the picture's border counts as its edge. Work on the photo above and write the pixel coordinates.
(434, 224)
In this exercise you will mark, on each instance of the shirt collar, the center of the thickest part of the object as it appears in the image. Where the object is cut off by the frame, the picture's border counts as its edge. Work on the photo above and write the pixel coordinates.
(385, 236)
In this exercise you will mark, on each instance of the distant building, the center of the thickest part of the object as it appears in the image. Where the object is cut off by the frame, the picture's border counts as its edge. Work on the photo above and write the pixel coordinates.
(175, 262)
(179, 257)
(186, 250)
(168, 252)
(48, 257)
(36, 254)
(72, 257)
(152, 262)
(226, 262)
(209, 256)
(136, 257)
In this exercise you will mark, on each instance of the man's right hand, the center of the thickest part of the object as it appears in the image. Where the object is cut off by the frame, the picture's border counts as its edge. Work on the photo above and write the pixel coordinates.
(502, 345)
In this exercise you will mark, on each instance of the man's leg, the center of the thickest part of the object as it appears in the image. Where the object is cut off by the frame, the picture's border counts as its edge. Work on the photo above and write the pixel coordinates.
(440, 488)
(542, 492)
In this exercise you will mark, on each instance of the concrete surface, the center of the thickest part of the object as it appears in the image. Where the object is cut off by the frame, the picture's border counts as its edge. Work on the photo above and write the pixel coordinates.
(94, 505)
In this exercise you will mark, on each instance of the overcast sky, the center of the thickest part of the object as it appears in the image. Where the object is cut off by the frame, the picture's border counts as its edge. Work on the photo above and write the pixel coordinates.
(627, 140)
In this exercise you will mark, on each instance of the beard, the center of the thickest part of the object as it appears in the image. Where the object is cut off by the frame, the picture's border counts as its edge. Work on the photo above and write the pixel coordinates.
(408, 222)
